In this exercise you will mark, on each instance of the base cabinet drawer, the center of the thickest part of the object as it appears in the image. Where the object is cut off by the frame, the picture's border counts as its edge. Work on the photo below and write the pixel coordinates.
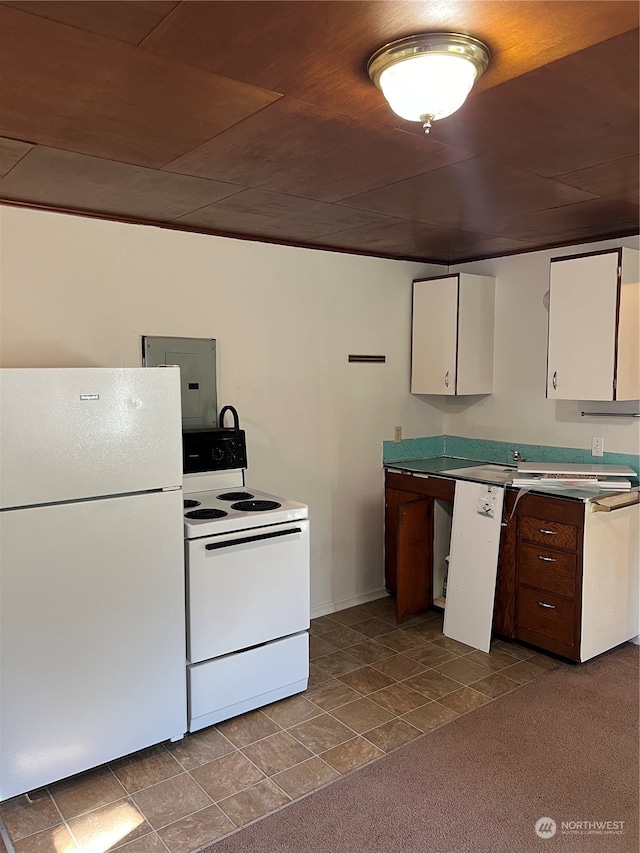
(544, 568)
(546, 615)
(550, 533)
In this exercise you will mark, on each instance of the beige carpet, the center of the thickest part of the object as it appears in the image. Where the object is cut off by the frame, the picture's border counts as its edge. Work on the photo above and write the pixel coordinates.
(563, 747)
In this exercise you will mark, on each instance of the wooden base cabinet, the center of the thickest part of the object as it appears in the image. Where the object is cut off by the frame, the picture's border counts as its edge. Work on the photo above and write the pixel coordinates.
(568, 577)
(504, 608)
(549, 573)
(409, 547)
(577, 576)
(409, 510)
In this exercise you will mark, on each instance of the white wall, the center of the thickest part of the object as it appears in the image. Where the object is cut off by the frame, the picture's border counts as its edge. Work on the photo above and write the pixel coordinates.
(78, 291)
(518, 411)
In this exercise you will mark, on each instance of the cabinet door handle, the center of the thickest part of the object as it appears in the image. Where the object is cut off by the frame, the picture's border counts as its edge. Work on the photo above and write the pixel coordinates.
(546, 559)
(554, 381)
(446, 379)
(547, 532)
(546, 606)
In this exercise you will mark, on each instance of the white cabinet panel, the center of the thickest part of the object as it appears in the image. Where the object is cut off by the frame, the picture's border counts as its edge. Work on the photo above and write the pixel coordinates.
(452, 335)
(610, 579)
(434, 336)
(476, 319)
(473, 564)
(594, 324)
(628, 363)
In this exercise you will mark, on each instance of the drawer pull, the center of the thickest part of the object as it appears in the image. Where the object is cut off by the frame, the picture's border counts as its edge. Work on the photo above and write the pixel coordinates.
(546, 559)
(547, 532)
(546, 606)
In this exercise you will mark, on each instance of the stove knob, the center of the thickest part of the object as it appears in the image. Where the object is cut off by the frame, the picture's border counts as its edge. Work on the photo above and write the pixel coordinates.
(217, 454)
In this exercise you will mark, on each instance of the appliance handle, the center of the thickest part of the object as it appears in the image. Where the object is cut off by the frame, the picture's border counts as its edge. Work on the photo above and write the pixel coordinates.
(215, 546)
(234, 413)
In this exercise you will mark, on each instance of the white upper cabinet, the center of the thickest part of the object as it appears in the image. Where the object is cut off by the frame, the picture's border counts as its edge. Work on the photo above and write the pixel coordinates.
(594, 327)
(452, 335)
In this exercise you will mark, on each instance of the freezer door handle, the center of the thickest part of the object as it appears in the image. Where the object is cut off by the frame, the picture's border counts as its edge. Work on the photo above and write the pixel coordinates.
(274, 534)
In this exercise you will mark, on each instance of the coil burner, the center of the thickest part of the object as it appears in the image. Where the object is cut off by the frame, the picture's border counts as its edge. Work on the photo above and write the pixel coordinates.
(204, 514)
(255, 506)
(235, 496)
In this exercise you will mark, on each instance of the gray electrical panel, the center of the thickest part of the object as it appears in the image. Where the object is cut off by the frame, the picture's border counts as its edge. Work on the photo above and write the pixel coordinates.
(196, 358)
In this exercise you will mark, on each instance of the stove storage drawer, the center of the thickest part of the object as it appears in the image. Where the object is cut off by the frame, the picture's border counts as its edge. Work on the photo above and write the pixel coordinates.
(230, 685)
(246, 588)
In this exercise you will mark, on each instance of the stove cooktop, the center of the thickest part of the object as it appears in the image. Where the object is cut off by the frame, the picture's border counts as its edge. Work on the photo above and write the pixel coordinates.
(221, 510)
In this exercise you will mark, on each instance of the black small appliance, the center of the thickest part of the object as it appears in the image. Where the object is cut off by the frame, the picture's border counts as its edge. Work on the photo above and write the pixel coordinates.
(214, 448)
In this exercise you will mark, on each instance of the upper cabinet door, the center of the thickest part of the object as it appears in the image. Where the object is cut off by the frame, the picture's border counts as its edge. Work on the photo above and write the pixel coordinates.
(593, 327)
(476, 321)
(628, 341)
(434, 336)
(452, 335)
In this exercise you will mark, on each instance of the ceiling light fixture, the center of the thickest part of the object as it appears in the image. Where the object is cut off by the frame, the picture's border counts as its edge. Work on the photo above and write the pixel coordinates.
(428, 77)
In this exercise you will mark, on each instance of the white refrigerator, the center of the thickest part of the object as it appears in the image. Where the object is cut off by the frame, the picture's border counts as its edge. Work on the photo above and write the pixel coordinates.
(92, 606)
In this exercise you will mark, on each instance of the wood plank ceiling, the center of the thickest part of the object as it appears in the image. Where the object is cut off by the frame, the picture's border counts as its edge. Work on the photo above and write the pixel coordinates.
(258, 119)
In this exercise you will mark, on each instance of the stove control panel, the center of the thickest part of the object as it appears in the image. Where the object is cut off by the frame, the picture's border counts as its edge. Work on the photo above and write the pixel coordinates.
(216, 449)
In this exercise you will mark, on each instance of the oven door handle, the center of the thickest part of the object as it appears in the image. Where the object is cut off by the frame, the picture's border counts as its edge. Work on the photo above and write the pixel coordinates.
(214, 546)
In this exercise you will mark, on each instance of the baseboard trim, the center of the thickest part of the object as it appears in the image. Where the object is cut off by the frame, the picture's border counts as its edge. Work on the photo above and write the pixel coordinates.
(344, 603)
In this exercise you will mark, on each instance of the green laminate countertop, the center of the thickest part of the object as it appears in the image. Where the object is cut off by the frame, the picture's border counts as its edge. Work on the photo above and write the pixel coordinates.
(491, 473)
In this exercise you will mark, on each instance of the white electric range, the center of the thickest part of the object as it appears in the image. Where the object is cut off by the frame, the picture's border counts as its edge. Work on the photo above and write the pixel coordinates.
(247, 564)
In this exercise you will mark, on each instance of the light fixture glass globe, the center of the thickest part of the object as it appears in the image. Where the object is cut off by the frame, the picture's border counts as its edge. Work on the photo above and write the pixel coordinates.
(428, 76)
(428, 85)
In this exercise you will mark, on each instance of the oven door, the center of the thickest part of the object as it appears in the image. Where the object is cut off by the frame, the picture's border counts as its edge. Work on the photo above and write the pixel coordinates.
(247, 587)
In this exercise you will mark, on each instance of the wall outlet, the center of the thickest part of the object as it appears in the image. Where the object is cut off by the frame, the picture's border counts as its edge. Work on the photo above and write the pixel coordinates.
(397, 435)
(597, 446)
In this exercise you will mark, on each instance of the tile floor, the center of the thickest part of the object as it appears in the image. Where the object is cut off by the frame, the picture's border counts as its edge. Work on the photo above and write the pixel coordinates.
(374, 685)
